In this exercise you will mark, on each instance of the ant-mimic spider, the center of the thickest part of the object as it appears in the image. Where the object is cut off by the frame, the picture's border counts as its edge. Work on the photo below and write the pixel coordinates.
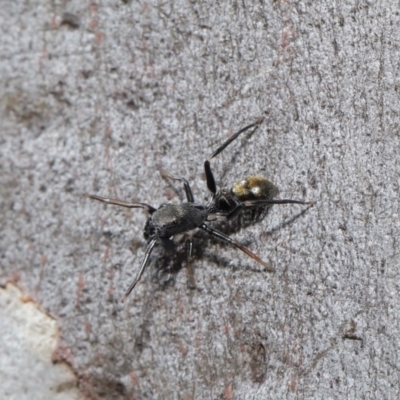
(252, 193)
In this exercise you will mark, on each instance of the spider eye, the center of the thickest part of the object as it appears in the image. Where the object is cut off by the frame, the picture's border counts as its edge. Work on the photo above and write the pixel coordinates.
(175, 222)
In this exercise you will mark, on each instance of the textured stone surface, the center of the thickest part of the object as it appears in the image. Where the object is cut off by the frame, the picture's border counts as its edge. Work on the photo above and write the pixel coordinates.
(100, 96)
(28, 338)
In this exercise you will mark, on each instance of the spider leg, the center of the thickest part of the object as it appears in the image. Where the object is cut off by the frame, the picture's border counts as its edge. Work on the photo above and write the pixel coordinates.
(212, 187)
(148, 251)
(254, 204)
(122, 203)
(235, 243)
(233, 137)
(186, 185)
(258, 203)
(226, 216)
(189, 251)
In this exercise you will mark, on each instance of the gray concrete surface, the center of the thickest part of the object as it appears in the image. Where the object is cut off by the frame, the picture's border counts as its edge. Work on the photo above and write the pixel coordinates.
(100, 96)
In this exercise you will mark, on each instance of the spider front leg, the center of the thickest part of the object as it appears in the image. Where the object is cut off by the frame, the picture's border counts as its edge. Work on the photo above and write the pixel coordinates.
(121, 203)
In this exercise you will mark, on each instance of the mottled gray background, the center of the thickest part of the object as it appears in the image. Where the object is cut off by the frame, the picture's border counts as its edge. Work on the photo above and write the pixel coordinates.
(101, 96)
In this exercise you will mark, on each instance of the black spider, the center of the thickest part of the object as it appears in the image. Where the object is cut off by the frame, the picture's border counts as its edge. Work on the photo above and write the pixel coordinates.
(252, 193)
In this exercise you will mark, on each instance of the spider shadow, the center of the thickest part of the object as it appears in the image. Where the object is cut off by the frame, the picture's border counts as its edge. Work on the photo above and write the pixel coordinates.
(289, 221)
(168, 262)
